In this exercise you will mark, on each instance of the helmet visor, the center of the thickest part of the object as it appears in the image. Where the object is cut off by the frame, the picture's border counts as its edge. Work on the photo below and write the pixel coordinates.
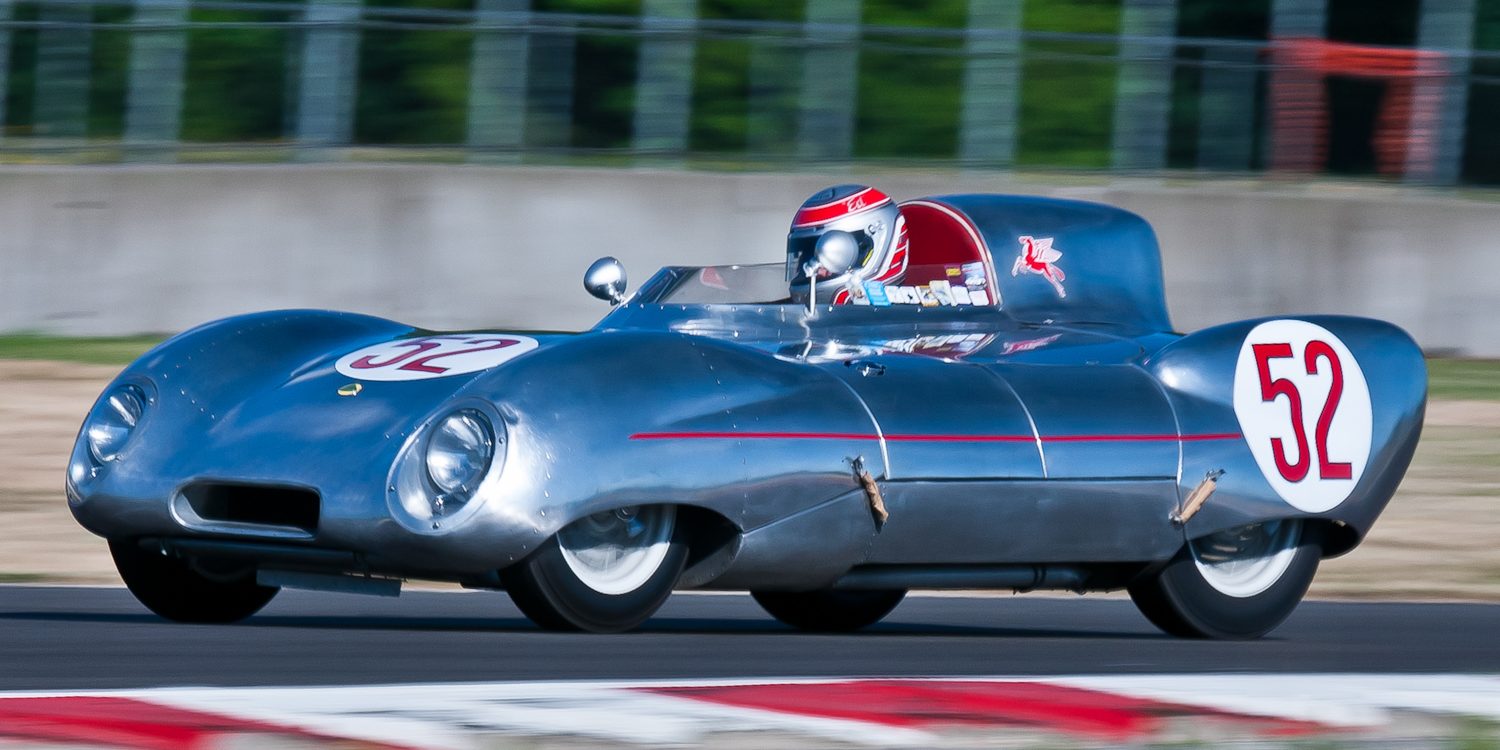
(801, 250)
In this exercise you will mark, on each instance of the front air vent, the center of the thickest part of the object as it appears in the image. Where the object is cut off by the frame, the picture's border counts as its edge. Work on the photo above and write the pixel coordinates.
(291, 508)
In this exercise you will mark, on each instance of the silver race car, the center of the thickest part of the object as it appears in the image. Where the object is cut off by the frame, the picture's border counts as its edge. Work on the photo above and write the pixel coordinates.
(960, 392)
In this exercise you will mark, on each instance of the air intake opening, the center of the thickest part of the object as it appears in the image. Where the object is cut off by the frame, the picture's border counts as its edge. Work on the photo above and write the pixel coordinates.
(261, 505)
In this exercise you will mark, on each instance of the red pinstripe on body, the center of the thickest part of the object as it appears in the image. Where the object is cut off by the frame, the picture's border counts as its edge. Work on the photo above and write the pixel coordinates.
(937, 438)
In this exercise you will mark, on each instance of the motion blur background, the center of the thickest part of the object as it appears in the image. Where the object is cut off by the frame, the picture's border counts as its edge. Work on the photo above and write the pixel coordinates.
(457, 163)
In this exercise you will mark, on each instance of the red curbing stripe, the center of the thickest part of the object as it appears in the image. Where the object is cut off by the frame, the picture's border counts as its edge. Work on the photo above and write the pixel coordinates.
(913, 438)
(137, 724)
(974, 705)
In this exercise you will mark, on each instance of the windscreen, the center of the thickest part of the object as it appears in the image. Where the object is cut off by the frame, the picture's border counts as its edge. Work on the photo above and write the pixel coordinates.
(763, 284)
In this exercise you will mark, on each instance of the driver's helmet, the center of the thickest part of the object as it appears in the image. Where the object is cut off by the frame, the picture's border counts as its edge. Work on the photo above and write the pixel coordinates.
(876, 223)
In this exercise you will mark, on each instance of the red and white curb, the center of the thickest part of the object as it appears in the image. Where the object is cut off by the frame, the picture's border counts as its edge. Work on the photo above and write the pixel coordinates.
(877, 712)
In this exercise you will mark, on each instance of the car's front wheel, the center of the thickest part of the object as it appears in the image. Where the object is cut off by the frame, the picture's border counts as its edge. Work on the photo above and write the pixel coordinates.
(604, 573)
(1238, 583)
(829, 611)
(175, 589)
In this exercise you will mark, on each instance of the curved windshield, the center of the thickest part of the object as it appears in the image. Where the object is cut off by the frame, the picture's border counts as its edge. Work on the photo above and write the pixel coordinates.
(761, 284)
(927, 285)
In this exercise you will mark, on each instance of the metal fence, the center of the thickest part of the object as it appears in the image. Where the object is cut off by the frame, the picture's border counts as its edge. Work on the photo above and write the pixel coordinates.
(337, 79)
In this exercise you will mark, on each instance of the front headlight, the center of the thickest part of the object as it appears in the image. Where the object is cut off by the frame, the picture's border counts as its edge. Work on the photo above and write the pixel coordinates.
(459, 453)
(435, 481)
(113, 421)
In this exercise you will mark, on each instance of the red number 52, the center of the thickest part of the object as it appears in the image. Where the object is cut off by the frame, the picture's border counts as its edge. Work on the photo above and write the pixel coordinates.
(1271, 388)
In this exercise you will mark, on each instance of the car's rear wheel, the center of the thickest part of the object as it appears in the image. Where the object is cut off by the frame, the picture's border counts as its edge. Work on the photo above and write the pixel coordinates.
(1239, 583)
(829, 611)
(175, 589)
(604, 573)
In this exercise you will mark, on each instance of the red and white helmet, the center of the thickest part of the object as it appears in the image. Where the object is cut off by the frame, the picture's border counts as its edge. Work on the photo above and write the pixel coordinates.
(876, 223)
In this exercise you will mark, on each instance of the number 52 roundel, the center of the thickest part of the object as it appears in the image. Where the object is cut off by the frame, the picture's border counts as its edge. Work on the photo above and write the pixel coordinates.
(1304, 408)
(433, 356)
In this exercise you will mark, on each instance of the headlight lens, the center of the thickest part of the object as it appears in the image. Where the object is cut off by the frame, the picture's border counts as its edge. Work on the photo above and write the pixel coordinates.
(113, 421)
(459, 453)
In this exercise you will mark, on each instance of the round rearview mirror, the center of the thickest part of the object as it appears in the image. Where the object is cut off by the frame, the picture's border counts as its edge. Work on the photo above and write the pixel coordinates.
(605, 279)
(836, 252)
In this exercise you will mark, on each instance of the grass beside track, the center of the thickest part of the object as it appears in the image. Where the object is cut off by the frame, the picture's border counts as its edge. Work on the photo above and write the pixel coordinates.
(113, 350)
(1464, 379)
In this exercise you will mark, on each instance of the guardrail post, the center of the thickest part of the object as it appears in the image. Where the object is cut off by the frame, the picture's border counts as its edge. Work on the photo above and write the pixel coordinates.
(549, 114)
(830, 80)
(1435, 144)
(1226, 109)
(664, 79)
(153, 101)
(1143, 88)
(992, 83)
(5, 13)
(64, 43)
(330, 57)
(497, 80)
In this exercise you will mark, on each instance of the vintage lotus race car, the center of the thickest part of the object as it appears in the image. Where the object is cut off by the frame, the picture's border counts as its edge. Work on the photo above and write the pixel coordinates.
(996, 401)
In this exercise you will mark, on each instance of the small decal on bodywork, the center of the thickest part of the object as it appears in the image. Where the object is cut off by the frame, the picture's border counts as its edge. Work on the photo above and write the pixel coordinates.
(433, 356)
(1039, 257)
(1304, 408)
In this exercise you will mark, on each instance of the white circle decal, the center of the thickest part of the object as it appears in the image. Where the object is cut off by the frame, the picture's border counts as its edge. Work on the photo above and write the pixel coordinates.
(1304, 408)
(433, 356)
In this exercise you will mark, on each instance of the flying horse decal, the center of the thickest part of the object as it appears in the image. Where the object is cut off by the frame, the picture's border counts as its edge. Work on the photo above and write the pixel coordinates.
(1038, 256)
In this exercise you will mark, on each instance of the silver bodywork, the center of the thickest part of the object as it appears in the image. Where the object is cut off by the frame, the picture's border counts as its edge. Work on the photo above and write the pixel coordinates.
(1037, 443)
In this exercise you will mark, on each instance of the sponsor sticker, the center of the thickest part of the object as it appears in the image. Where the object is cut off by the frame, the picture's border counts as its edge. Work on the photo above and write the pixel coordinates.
(1304, 409)
(973, 274)
(875, 291)
(979, 297)
(942, 291)
(430, 357)
(961, 296)
(926, 297)
(953, 271)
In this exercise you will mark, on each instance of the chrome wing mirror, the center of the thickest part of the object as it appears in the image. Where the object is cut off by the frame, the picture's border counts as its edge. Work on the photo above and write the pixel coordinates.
(605, 279)
(834, 253)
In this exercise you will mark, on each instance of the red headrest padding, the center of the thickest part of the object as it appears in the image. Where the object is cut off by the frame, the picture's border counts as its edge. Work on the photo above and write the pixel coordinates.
(940, 237)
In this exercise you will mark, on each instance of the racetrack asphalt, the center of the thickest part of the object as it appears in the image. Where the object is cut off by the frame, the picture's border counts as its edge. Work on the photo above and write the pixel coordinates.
(61, 638)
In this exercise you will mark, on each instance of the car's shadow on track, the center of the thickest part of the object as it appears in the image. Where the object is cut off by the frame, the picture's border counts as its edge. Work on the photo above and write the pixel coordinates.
(517, 626)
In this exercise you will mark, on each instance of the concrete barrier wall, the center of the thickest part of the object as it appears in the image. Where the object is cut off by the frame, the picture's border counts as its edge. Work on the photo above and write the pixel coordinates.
(113, 250)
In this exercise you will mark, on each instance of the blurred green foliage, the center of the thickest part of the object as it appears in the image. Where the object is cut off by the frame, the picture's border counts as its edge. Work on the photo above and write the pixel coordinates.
(238, 84)
(413, 81)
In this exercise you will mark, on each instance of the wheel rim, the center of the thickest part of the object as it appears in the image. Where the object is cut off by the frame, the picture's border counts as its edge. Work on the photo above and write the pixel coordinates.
(617, 551)
(1246, 560)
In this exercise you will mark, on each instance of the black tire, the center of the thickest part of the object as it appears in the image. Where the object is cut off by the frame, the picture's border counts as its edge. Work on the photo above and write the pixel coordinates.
(1182, 602)
(173, 589)
(829, 611)
(548, 591)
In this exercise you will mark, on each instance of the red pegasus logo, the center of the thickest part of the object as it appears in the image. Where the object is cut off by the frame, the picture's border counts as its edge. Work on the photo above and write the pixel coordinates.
(1038, 256)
